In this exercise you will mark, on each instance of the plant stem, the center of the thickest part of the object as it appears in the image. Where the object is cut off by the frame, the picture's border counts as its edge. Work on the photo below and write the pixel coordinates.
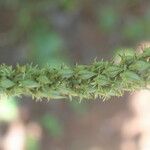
(102, 79)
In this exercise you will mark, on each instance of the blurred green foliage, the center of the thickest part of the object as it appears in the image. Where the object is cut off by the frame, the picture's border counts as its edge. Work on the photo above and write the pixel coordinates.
(46, 47)
(134, 29)
(117, 20)
(53, 125)
(32, 143)
(8, 109)
(67, 5)
(78, 108)
(108, 18)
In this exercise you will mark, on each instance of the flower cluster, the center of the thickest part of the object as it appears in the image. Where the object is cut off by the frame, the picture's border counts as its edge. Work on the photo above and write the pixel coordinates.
(101, 79)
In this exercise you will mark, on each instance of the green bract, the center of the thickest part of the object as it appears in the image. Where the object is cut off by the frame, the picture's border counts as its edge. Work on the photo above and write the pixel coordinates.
(102, 79)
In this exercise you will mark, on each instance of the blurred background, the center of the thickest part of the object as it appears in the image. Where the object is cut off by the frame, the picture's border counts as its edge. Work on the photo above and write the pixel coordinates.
(72, 31)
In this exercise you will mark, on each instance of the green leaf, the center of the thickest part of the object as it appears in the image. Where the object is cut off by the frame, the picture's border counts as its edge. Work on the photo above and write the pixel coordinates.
(130, 76)
(101, 80)
(6, 83)
(146, 52)
(84, 74)
(66, 73)
(43, 79)
(30, 84)
(112, 71)
(140, 66)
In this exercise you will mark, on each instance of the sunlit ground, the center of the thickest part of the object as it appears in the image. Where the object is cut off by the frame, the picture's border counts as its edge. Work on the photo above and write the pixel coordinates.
(136, 130)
